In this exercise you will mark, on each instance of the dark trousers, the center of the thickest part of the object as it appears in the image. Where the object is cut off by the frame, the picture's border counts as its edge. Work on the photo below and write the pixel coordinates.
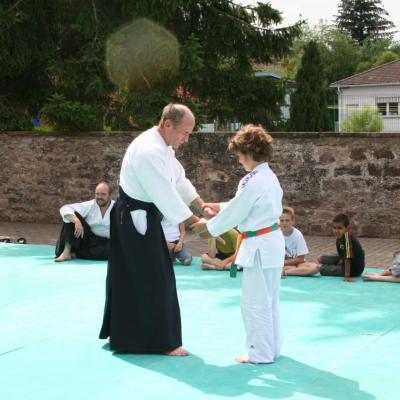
(90, 246)
(141, 312)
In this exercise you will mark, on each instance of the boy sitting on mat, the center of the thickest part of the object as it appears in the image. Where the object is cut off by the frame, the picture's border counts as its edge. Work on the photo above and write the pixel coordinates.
(175, 238)
(391, 274)
(220, 252)
(295, 247)
(350, 259)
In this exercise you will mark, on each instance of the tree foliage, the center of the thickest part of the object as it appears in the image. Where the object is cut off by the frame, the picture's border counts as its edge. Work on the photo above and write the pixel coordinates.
(309, 110)
(363, 19)
(341, 55)
(53, 54)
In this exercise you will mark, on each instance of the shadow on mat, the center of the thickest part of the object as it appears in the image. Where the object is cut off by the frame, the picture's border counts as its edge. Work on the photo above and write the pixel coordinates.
(280, 380)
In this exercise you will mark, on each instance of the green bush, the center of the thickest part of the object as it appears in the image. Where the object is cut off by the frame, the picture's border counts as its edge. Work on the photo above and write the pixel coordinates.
(365, 120)
(67, 115)
(13, 119)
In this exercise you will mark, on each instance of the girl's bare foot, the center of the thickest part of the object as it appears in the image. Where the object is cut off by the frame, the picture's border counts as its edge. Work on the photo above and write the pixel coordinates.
(243, 359)
(366, 277)
(179, 352)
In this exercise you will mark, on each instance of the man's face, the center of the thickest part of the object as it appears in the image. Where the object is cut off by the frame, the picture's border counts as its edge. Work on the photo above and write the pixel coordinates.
(102, 195)
(180, 134)
(339, 229)
(286, 222)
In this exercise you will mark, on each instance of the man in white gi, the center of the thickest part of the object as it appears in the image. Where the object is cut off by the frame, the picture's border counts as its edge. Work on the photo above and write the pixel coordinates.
(86, 228)
(142, 311)
(255, 209)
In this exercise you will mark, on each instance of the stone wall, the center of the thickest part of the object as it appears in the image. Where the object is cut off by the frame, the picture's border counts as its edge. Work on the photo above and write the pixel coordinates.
(321, 174)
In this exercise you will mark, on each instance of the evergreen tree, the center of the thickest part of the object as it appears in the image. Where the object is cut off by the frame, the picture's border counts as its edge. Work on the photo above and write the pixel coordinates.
(52, 56)
(363, 19)
(309, 111)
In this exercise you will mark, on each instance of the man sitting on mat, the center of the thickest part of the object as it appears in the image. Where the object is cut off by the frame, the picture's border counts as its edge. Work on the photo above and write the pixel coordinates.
(86, 229)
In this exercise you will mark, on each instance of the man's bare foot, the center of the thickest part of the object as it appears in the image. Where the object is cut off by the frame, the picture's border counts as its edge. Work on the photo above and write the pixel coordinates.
(243, 359)
(62, 257)
(179, 352)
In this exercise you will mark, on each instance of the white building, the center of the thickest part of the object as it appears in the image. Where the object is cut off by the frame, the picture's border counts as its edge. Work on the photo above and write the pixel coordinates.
(378, 88)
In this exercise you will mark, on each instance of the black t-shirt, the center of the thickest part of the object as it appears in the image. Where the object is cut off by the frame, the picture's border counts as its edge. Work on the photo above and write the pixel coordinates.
(348, 246)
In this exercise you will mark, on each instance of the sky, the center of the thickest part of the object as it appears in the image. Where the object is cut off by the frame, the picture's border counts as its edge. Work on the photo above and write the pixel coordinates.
(315, 10)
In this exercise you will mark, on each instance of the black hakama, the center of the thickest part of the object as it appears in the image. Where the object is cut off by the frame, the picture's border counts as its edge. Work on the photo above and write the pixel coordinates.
(142, 312)
(90, 246)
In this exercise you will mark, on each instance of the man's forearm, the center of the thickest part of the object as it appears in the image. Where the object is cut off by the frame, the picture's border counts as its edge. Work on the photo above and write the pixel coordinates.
(198, 204)
(191, 220)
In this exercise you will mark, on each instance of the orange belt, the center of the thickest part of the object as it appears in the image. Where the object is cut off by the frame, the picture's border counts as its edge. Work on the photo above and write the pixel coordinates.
(245, 235)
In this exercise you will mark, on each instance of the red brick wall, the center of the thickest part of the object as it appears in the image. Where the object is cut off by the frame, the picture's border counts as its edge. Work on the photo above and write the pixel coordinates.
(321, 174)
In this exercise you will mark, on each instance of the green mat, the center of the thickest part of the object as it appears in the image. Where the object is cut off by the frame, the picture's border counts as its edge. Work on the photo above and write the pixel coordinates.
(340, 338)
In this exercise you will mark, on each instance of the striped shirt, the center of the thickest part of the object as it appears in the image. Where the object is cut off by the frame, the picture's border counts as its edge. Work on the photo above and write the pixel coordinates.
(348, 246)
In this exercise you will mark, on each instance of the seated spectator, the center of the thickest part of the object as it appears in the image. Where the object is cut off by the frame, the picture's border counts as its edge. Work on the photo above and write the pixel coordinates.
(86, 229)
(221, 251)
(295, 247)
(175, 237)
(350, 260)
(391, 274)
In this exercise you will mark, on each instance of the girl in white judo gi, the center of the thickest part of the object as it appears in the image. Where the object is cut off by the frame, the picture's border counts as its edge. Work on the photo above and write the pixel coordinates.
(255, 210)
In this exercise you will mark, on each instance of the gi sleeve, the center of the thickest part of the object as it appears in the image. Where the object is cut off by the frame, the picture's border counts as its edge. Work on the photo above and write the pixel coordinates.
(183, 185)
(233, 212)
(151, 175)
(82, 208)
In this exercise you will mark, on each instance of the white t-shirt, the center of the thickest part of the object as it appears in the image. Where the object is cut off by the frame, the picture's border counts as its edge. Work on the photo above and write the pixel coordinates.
(171, 231)
(295, 245)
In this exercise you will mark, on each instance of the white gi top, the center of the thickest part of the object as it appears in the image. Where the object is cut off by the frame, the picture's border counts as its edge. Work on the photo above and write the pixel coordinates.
(256, 205)
(295, 244)
(151, 173)
(91, 213)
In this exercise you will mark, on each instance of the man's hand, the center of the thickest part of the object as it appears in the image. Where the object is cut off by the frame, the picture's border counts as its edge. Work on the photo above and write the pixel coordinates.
(348, 279)
(79, 231)
(171, 246)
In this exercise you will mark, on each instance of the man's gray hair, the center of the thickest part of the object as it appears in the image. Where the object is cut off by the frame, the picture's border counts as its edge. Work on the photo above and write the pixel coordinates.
(173, 112)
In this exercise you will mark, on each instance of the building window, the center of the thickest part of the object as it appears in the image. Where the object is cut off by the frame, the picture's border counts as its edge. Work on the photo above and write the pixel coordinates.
(388, 106)
(393, 108)
(381, 108)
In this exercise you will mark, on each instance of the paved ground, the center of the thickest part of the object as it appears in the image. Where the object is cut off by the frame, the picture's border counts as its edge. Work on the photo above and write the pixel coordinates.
(378, 251)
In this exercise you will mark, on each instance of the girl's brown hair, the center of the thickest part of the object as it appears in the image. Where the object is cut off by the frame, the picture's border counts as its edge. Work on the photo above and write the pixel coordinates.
(254, 141)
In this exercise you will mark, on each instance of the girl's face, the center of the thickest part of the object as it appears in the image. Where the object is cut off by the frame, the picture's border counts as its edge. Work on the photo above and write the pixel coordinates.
(246, 161)
(339, 229)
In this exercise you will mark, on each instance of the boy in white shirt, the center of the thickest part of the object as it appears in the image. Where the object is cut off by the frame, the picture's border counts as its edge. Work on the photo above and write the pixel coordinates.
(295, 247)
(175, 237)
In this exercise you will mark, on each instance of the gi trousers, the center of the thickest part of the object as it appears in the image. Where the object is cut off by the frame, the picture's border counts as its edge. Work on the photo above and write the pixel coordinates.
(260, 312)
